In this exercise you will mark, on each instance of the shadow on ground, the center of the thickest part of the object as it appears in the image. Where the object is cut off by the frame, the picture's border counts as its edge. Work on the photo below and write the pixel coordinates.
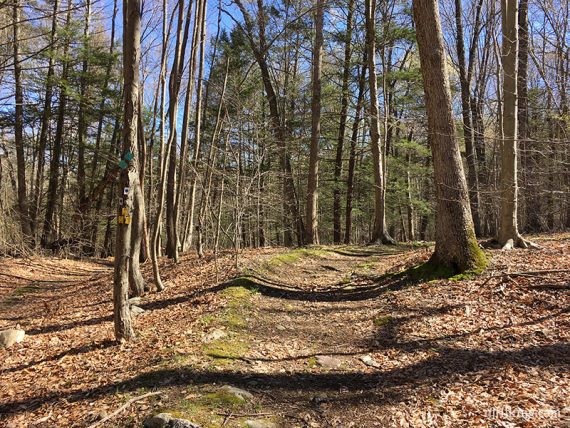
(392, 384)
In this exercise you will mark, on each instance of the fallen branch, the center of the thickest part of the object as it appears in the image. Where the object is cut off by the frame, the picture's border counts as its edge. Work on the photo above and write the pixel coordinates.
(552, 286)
(531, 273)
(243, 415)
(123, 407)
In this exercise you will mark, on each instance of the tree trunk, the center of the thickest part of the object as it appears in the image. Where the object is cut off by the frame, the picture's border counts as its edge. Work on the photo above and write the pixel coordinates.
(129, 178)
(19, 126)
(46, 117)
(198, 124)
(456, 246)
(509, 236)
(170, 160)
(290, 199)
(311, 222)
(48, 233)
(465, 81)
(82, 120)
(352, 158)
(185, 127)
(379, 231)
(337, 232)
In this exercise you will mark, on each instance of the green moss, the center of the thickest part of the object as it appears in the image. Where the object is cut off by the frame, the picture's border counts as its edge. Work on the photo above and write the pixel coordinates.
(312, 362)
(204, 410)
(234, 320)
(294, 256)
(238, 291)
(27, 289)
(207, 319)
(226, 349)
(222, 399)
(479, 260)
(382, 320)
(428, 271)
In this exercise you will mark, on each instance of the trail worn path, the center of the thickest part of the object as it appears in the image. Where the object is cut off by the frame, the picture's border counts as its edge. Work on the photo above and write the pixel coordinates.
(320, 337)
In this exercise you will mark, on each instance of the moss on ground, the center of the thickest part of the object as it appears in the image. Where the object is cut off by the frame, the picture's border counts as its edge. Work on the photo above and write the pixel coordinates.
(234, 318)
(227, 348)
(382, 320)
(294, 256)
(205, 410)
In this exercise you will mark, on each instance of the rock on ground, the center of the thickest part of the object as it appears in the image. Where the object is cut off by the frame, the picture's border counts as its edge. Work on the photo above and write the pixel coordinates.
(11, 336)
(165, 420)
(259, 424)
(237, 392)
(328, 362)
(214, 335)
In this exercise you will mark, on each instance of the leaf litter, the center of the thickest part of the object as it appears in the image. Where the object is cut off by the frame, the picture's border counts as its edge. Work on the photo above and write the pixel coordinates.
(485, 351)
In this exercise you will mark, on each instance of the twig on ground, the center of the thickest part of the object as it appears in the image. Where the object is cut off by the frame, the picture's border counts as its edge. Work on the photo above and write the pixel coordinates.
(244, 415)
(553, 286)
(123, 407)
(530, 273)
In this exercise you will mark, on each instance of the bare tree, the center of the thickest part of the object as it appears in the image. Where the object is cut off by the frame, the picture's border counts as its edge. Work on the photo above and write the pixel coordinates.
(455, 243)
(129, 178)
(379, 231)
(19, 125)
(509, 236)
(311, 221)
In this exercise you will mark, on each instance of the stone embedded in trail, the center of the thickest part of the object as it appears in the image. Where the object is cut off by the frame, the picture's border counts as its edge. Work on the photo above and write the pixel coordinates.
(259, 424)
(214, 335)
(11, 336)
(165, 420)
(369, 361)
(135, 310)
(328, 362)
(241, 394)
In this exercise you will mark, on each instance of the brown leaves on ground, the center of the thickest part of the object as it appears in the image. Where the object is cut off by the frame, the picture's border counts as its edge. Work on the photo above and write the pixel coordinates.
(487, 351)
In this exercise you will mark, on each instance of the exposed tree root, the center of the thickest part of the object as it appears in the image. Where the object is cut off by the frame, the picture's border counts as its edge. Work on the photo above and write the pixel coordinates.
(520, 242)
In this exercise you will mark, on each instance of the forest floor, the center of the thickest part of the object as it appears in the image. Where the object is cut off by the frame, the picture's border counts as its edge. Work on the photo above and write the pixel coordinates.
(321, 337)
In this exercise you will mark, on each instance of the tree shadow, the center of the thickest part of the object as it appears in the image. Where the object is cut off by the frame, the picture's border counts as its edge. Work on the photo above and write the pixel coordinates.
(70, 352)
(361, 287)
(391, 385)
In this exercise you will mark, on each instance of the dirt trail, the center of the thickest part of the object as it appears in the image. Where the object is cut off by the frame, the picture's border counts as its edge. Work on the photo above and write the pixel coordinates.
(321, 337)
(332, 340)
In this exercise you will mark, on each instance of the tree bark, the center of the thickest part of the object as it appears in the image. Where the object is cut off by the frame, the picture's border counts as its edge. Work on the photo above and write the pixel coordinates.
(337, 232)
(48, 233)
(19, 126)
(379, 231)
(46, 117)
(455, 243)
(311, 222)
(198, 124)
(465, 77)
(352, 157)
(129, 178)
(170, 160)
(508, 235)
